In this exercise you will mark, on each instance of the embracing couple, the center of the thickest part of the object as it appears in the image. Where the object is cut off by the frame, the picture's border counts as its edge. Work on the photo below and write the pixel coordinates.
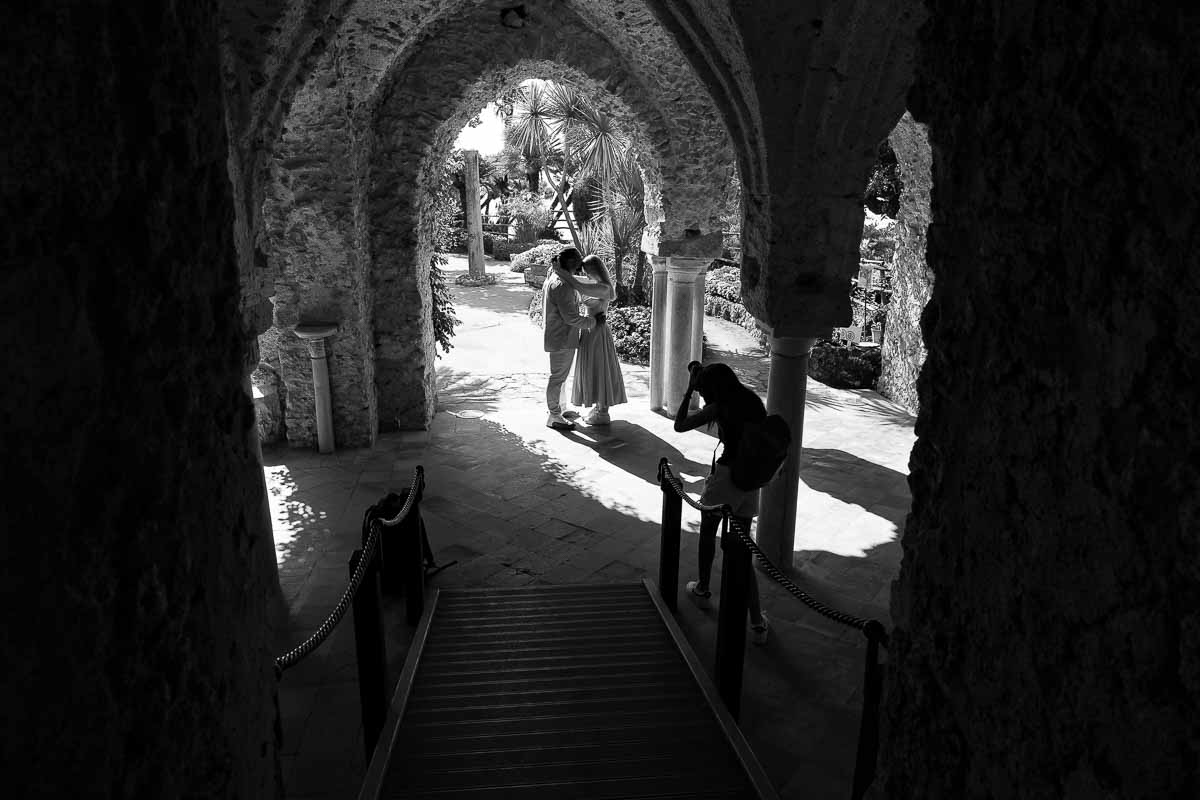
(575, 297)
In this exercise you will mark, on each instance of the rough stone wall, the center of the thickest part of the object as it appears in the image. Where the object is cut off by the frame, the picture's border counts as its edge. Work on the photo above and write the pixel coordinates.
(1047, 612)
(317, 266)
(912, 281)
(135, 661)
(267, 46)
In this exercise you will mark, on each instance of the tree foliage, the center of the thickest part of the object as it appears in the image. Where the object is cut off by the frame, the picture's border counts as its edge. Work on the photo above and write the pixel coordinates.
(585, 157)
(445, 234)
(882, 194)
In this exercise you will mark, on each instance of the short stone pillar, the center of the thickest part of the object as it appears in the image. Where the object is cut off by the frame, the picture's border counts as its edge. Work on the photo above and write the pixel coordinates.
(314, 335)
(659, 325)
(787, 387)
(682, 274)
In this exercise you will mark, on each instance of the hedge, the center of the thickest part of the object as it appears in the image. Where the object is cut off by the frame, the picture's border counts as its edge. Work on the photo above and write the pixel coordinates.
(845, 366)
(504, 250)
(539, 255)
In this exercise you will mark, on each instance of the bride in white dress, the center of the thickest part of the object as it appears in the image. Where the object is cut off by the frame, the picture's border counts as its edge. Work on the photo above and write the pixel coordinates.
(598, 379)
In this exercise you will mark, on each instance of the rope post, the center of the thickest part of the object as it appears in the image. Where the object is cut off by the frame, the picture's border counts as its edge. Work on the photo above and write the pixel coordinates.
(731, 620)
(868, 731)
(411, 557)
(668, 555)
(391, 557)
(370, 650)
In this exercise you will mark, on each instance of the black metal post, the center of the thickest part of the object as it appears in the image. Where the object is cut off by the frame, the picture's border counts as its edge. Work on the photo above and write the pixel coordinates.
(370, 651)
(412, 566)
(868, 731)
(731, 620)
(668, 555)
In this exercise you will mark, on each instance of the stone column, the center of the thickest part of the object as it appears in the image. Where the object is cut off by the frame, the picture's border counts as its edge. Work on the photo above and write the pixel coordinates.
(698, 326)
(786, 389)
(698, 317)
(680, 314)
(471, 213)
(658, 331)
(314, 335)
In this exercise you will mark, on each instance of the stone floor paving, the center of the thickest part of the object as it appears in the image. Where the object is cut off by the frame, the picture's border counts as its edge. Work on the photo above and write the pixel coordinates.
(515, 503)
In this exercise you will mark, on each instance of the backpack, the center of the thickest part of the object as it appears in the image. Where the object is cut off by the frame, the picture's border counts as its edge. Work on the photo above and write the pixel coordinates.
(761, 452)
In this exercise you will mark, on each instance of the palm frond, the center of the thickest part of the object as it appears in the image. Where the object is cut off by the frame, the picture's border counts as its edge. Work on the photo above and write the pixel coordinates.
(595, 239)
(602, 147)
(528, 128)
(567, 106)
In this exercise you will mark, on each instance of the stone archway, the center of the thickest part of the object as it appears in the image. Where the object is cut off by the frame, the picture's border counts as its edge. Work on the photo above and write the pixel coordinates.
(350, 182)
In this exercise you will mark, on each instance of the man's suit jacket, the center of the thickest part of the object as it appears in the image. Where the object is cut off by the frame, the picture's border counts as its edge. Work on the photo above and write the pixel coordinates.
(560, 315)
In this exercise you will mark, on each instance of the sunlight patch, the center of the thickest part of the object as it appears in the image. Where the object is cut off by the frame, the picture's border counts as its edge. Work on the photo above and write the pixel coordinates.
(289, 515)
(857, 532)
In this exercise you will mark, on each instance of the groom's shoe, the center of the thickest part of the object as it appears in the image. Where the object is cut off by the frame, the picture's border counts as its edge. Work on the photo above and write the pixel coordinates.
(559, 423)
(570, 414)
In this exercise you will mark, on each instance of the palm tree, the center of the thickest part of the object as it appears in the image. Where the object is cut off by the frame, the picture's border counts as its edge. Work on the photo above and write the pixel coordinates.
(556, 131)
(621, 211)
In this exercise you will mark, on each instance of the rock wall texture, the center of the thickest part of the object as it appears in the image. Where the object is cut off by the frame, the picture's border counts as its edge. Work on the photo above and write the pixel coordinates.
(912, 281)
(319, 272)
(135, 661)
(1047, 640)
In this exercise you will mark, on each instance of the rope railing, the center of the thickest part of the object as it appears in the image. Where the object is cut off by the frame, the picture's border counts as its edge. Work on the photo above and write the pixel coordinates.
(731, 628)
(317, 638)
(367, 557)
(867, 626)
(397, 555)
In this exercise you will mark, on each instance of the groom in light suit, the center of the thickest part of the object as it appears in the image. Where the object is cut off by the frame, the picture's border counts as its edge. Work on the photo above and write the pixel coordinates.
(561, 323)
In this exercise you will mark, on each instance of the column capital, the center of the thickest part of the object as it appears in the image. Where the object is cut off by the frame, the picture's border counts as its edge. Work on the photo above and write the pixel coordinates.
(789, 343)
(315, 330)
(685, 270)
(792, 346)
(314, 335)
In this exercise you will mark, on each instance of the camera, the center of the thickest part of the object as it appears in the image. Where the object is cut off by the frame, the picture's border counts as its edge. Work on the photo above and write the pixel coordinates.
(693, 366)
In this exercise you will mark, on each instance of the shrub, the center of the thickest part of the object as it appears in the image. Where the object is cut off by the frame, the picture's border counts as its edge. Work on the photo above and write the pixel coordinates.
(630, 326)
(845, 366)
(725, 282)
(489, 244)
(535, 309)
(539, 255)
(529, 215)
(444, 319)
(465, 279)
(505, 250)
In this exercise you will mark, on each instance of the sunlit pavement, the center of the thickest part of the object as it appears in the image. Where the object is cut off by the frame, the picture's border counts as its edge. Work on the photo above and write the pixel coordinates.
(515, 503)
